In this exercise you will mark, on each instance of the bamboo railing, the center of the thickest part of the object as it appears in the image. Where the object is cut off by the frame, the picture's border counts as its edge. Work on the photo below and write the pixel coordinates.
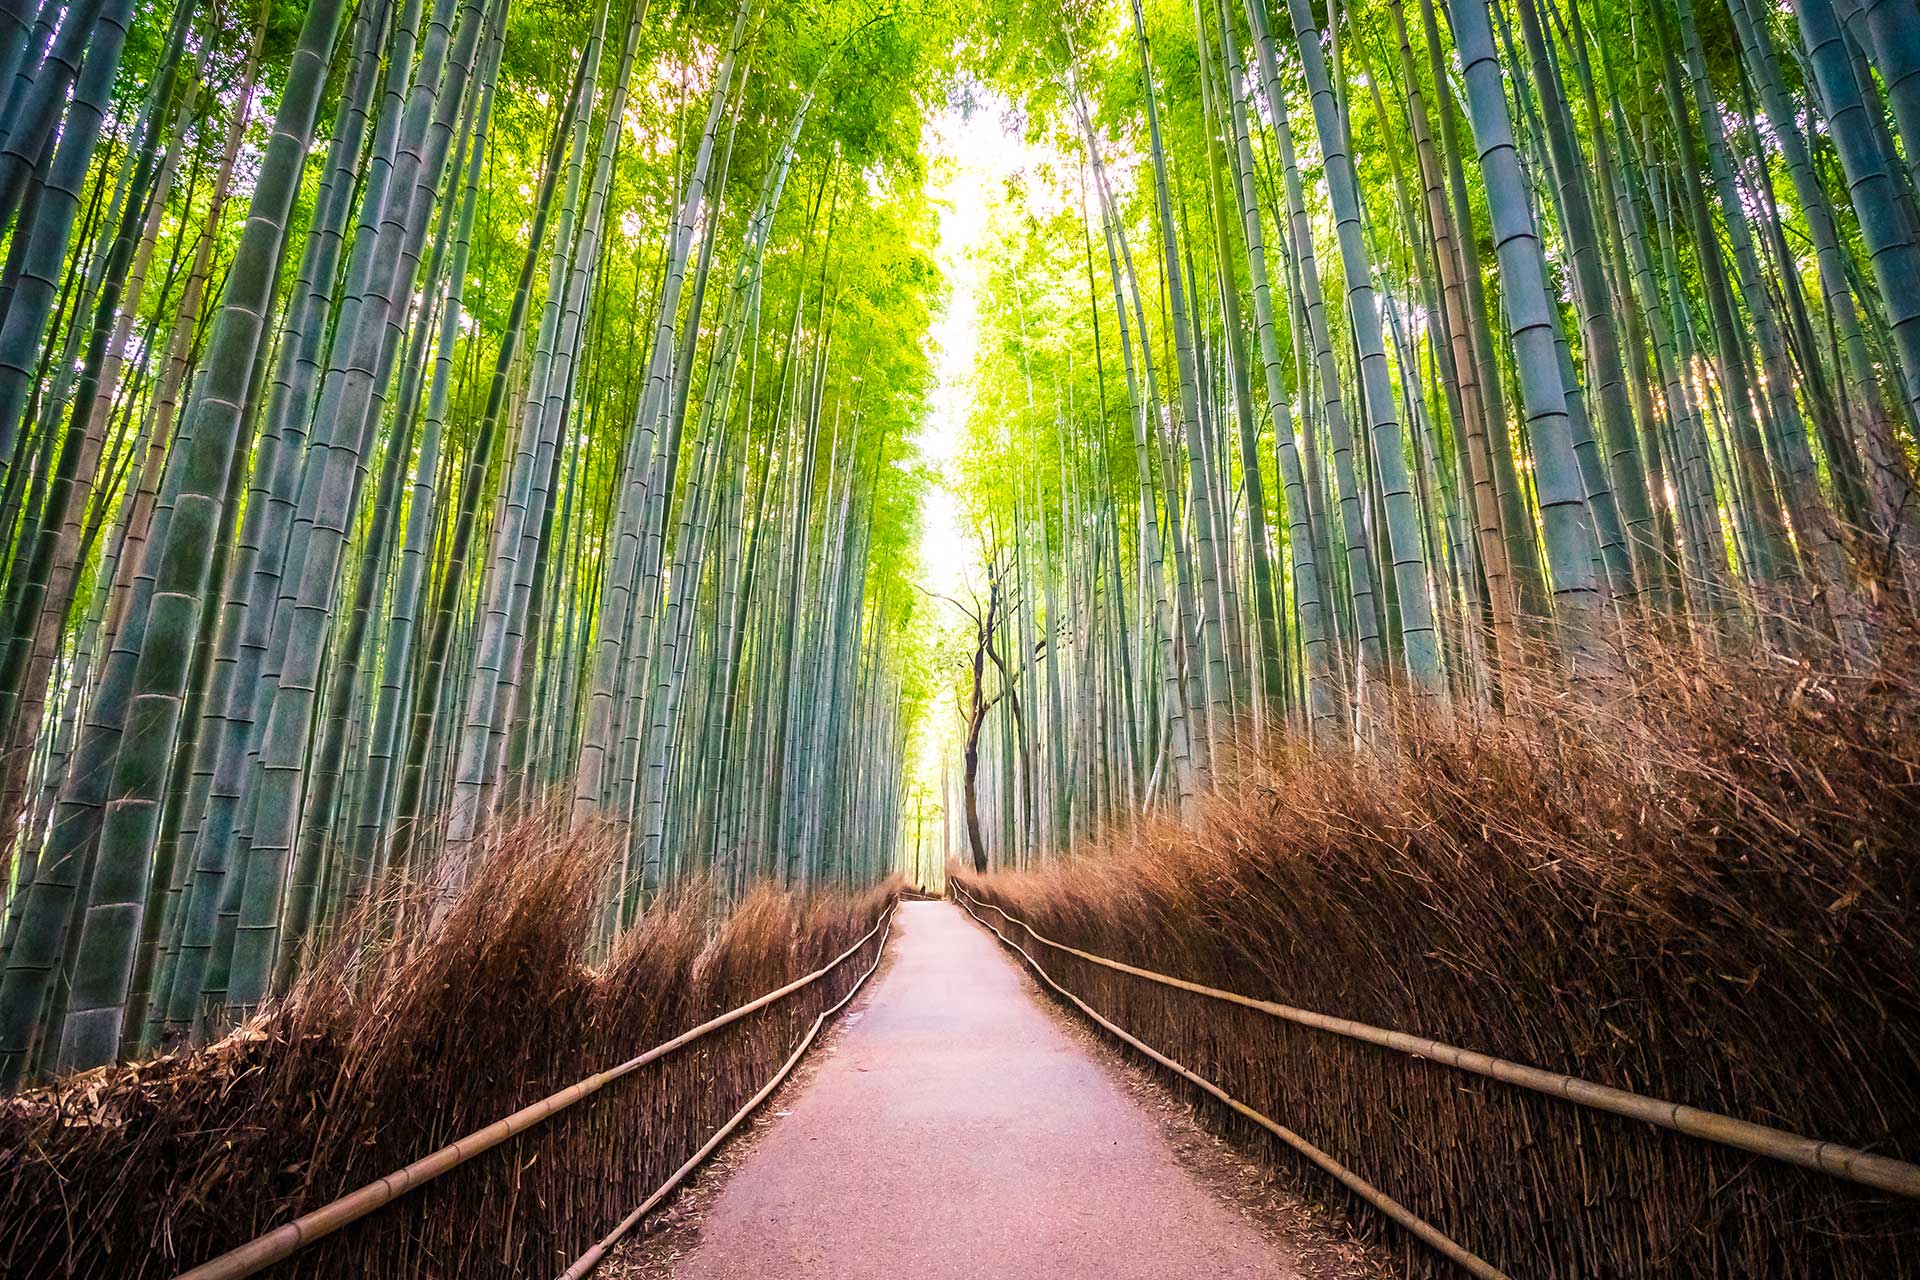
(1472, 1263)
(1882, 1173)
(591, 1258)
(285, 1240)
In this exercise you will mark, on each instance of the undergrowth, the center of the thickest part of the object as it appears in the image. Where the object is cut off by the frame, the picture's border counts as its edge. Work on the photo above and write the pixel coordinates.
(378, 1057)
(1698, 884)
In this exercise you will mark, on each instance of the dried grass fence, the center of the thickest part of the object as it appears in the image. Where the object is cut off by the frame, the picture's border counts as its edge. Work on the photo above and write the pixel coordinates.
(1702, 889)
(144, 1171)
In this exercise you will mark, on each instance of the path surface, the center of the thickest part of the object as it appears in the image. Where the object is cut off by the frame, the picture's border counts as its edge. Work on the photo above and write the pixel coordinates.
(957, 1131)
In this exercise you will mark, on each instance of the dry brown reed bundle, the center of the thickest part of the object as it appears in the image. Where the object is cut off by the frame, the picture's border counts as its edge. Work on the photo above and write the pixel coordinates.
(1699, 885)
(381, 1055)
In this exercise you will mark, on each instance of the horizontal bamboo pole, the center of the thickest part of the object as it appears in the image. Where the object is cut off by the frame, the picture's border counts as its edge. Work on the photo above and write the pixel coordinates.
(1883, 1173)
(1472, 1263)
(263, 1251)
(591, 1258)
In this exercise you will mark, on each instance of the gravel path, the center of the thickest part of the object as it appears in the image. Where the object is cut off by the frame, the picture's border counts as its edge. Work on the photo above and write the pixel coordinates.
(957, 1129)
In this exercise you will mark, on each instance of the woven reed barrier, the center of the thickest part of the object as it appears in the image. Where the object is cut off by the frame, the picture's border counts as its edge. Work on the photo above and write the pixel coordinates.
(316, 1224)
(1413, 1223)
(1881, 1172)
(151, 1170)
(1544, 1174)
(586, 1262)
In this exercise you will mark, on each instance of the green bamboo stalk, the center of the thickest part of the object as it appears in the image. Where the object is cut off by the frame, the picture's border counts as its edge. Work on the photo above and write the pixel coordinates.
(1531, 330)
(1422, 651)
(1322, 691)
(1871, 188)
(149, 694)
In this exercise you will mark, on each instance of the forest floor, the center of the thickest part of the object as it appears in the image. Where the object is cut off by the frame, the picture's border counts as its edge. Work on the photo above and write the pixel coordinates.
(959, 1126)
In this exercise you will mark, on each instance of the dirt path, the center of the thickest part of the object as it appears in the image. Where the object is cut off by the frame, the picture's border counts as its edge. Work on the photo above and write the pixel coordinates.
(957, 1129)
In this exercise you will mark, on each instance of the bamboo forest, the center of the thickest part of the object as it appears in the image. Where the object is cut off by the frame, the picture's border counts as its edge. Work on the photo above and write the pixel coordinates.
(1349, 566)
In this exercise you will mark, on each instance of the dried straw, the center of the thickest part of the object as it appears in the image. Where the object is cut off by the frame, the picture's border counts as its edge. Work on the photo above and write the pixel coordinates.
(381, 1055)
(1699, 888)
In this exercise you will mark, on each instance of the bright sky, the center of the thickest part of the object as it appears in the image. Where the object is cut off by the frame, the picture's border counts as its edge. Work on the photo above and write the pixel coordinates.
(974, 156)
(977, 155)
